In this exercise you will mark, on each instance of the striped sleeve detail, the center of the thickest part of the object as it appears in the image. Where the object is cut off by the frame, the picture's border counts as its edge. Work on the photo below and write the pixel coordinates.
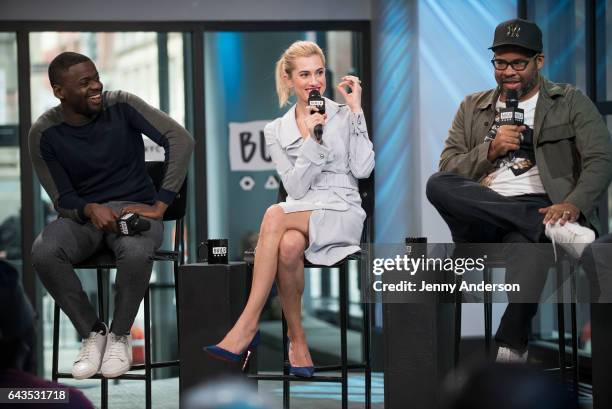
(178, 144)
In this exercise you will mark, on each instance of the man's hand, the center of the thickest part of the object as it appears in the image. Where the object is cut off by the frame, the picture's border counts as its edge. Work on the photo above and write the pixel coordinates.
(152, 212)
(103, 217)
(507, 138)
(563, 212)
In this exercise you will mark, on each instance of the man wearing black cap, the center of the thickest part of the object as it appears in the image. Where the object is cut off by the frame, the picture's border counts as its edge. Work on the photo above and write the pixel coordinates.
(523, 183)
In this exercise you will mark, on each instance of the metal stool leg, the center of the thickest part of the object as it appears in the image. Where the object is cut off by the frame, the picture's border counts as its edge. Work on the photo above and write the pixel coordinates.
(343, 333)
(575, 374)
(561, 340)
(488, 313)
(55, 359)
(488, 316)
(286, 383)
(457, 329)
(147, 357)
(366, 352)
(176, 265)
(176, 297)
(102, 313)
(561, 323)
(178, 245)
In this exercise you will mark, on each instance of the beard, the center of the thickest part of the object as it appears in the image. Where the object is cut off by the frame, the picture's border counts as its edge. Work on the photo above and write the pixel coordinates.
(525, 89)
(529, 86)
(87, 110)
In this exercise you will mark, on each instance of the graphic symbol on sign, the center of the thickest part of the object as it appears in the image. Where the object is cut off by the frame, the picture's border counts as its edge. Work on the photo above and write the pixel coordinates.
(247, 183)
(271, 183)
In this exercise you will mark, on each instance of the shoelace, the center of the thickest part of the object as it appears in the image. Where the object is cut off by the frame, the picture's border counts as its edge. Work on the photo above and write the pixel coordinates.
(572, 228)
(116, 346)
(554, 244)
(89, 345)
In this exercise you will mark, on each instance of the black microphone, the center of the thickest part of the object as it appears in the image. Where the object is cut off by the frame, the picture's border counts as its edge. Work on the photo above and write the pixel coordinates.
(511, 114)
(130, 224)
(316, 100)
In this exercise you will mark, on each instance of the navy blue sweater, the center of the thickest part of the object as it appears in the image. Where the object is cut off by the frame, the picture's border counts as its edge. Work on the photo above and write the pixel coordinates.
(103, 160)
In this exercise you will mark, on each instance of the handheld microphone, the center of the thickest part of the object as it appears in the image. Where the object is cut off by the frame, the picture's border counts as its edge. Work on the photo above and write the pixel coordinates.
(315, 100)
(511, 114)
(130, 224)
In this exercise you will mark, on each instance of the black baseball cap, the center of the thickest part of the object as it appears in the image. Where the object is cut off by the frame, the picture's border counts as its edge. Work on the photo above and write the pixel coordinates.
(520, 33)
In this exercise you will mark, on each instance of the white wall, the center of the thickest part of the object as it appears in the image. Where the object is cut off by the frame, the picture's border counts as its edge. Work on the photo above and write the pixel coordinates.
(184, 10)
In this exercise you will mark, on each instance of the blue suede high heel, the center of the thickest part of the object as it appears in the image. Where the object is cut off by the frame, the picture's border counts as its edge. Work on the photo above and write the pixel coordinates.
(299, 371)
(225, 355)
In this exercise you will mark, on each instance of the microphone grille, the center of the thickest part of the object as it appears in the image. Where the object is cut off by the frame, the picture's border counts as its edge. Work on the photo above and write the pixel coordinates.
(314, 94)
(512, 98)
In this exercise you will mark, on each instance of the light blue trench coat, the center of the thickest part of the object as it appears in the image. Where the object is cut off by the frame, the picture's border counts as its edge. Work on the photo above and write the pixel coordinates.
(323, 178)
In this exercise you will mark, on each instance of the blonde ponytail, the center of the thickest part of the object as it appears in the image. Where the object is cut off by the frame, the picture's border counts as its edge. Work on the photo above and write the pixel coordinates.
(282, 90)
(286, 64)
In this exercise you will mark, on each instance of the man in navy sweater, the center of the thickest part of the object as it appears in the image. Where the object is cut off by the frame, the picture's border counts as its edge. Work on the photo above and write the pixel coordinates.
(88, 153)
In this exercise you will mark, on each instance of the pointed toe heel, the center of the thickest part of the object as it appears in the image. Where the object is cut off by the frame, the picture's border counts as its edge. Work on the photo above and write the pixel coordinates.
(302, 371)
(299, 371)
(224, 355)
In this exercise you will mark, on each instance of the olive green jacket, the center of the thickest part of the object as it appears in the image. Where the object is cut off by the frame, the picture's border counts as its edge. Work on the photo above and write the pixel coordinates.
(572, 144)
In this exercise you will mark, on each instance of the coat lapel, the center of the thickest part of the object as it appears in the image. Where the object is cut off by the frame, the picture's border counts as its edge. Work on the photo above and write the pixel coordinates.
(289, 131)
(331, 108)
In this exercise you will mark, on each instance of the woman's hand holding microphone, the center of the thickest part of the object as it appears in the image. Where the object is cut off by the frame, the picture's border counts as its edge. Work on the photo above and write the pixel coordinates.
(312, 119)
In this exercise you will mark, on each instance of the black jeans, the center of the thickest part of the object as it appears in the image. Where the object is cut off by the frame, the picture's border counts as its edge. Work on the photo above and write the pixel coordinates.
(477, 214)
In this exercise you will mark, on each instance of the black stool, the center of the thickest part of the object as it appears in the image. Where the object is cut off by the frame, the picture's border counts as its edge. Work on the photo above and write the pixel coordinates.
(344, 366)
(105, 260)
(497, 260)
(563, 367)
(493, 261)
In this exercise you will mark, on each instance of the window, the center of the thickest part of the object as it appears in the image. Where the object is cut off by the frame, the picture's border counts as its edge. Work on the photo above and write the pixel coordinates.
(10, 170)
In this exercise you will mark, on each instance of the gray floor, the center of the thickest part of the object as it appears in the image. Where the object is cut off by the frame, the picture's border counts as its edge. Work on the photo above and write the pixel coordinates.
(165, 393)
(324, 346)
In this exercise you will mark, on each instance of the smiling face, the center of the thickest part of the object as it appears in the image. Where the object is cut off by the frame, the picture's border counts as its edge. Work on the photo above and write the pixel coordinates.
(80, 90)
(525, 82)
(308, 75)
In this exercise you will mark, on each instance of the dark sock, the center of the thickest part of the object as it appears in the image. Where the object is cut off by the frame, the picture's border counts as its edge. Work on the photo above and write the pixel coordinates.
(99, 327)
(114, 332)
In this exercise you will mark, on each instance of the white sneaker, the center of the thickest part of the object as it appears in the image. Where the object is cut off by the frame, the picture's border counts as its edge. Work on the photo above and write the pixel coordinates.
(573, 237)
(87, 362)
(118, 355)
(510, 356)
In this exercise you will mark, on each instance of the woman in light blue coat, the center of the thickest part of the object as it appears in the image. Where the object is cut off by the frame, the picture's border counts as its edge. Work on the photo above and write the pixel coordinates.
(322, 218)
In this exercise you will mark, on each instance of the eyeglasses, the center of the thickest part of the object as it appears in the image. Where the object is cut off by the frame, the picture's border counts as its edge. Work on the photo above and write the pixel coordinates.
(517, 65)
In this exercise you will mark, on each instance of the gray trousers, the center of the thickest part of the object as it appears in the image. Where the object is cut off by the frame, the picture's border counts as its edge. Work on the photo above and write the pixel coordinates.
(65, 242)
